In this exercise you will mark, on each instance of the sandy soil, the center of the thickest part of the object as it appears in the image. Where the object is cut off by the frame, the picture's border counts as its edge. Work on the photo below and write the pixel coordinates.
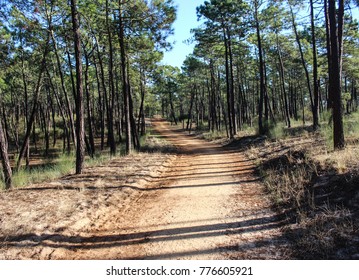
(203, 203)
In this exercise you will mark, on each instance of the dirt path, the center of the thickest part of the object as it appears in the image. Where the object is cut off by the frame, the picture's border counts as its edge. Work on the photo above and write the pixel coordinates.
(205, 204)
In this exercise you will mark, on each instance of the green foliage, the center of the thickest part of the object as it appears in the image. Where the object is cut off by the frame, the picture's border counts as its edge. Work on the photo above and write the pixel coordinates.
(351, 128)
(214, 135)
(275, 131)
(351, 125)
(45, 172)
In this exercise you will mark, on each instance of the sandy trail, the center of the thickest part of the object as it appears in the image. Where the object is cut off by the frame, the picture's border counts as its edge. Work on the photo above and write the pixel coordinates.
(207, 204)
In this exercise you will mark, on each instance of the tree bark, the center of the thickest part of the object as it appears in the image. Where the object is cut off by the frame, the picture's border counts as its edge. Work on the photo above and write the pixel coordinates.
(314, 112)
(125, 85)
(281, 65)
(315, 70)
(228, 84)
(5, 158)
(110, 121)
(89, 113)
(63, 87)
(80, 128)
(262, 128)
(335, 87)
(31, 119)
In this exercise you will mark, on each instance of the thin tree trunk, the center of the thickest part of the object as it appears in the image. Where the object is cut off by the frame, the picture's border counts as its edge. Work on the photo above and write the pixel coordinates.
(262, 128)
(304, 67)
(190, 109)
(229, 106)
(67, 133)
(335, 78)
(105, 98)
(172, 107)
(5, 158)
(315, 71)
(30, 122)
(89, 114)
(134, 134)
(281, 65)
(233, 110)
(64, 90)
(111, 135)
(80, 127)
(141, 116)
(125, 85)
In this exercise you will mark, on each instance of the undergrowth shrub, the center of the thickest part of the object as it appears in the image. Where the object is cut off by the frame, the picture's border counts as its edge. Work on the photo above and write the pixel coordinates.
(316, 202)
(214, 135)
(287, 178)
(64, 164)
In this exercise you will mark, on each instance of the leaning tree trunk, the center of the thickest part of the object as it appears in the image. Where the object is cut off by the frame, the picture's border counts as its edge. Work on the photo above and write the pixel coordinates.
(31, 119)
(63, 87)
(315, 116)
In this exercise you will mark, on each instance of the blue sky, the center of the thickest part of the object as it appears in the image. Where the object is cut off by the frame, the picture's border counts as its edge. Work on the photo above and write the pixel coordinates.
(186, 20)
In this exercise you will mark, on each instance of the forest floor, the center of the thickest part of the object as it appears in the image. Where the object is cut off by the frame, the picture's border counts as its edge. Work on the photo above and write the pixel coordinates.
(317, 189)
(203, 201)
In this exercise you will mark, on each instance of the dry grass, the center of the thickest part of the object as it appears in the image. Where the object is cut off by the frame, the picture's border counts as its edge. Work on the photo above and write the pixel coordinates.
(317, 188)
(74, 203)
(343, 161)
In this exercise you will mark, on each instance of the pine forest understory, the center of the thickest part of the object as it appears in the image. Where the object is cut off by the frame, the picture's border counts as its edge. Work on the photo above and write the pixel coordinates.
(250, 150)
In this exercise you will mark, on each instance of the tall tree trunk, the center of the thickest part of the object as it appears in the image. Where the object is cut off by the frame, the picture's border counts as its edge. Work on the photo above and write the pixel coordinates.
(134, 134)
(213, 94)
(262, 128)
(190, 108)
(335, 87)
(62, 80)
(315, 71)
(110, 121)
(101, 107)
(26, 94)
(105, 98)
(228, 84)
(31, 120)
(89, 113)
(173, 115)
(329, 54)
(125, 85)
(66, 130)
(141, 116)
(315, 116)
(285, 97)
(80, 127)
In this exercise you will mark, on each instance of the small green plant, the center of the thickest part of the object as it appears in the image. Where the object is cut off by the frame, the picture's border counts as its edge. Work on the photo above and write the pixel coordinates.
(351, 125)
(214, 135)
(98, 159)
(275, 131)
(2, 183)
(202, 126)
(48, 171)
(326, 131)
